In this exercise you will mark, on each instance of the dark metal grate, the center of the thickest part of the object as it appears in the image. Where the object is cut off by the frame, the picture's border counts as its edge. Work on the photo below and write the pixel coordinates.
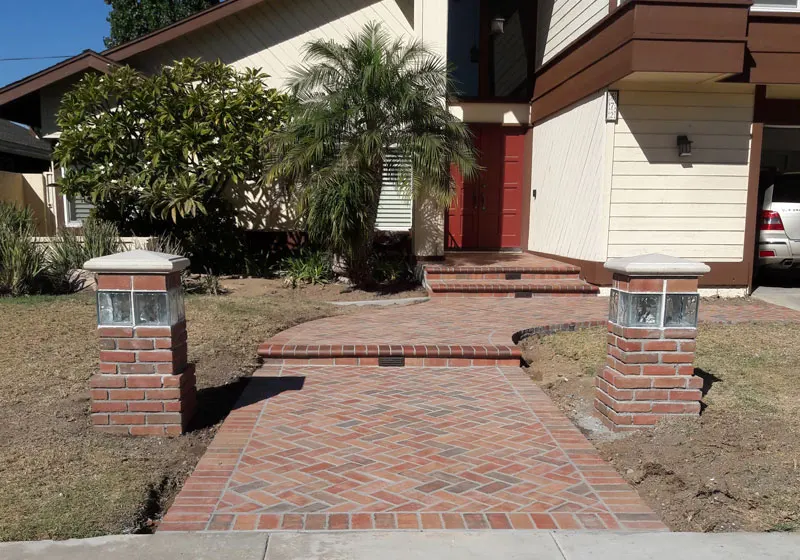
(523, 294)
(513, 276)
(391, 361)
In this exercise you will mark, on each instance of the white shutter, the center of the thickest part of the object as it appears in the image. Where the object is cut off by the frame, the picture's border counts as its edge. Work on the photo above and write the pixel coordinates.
(394, 206)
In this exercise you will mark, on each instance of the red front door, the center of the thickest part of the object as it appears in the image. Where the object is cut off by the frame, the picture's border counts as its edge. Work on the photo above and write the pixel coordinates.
(487, 210)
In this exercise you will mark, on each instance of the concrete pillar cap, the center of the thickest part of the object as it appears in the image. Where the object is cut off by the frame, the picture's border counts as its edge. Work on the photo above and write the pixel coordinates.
(656, 264)
(137, 262)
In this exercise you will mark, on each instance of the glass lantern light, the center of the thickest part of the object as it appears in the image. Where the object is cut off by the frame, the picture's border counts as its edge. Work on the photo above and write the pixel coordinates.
(139, 308)
(653, 310)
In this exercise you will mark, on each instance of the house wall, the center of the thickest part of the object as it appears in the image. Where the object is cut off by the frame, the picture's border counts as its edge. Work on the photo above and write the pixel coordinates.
(693, 207)
(560, 22)
(28, 189)
(502, 113)
(568, 216)
(272, 34)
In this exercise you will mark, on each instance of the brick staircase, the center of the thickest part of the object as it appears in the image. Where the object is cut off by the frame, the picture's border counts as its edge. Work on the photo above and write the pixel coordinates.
(517, 275)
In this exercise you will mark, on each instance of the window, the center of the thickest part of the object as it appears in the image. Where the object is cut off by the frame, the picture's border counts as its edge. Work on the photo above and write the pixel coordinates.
(76, 210)
(776, 5)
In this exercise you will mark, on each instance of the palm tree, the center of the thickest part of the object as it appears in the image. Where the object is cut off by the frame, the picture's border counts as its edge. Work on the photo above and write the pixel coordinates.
(361, 107)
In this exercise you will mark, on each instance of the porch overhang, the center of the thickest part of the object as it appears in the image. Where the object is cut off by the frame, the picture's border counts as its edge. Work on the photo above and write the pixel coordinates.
(694, 40)
(773, 41)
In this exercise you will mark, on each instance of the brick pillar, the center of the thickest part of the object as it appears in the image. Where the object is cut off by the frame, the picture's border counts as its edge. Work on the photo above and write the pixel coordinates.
(145, 385)
(652, 326)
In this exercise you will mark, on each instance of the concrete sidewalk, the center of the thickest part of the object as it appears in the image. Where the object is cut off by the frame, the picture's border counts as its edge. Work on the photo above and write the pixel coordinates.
(399, 545)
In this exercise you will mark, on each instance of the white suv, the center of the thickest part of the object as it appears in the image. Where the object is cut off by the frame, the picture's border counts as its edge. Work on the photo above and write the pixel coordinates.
(779, 223)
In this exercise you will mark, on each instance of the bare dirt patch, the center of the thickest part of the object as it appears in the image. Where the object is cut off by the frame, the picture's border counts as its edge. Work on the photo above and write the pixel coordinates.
(276, 287)
(736, 468)
(61, 479)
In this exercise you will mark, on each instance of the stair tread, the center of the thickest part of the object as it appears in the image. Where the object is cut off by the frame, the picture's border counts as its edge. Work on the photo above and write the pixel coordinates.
(538, 284)
(528, 269)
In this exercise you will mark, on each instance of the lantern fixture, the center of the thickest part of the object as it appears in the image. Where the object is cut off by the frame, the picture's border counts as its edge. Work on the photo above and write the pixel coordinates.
(497, 26)
(684, 146)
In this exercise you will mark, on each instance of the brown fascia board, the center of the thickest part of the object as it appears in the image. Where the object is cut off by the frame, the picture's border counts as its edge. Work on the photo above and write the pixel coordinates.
(87, 60)
(178, 29)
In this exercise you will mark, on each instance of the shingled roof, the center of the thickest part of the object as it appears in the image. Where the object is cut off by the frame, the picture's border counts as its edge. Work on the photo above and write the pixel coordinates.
(21, 141)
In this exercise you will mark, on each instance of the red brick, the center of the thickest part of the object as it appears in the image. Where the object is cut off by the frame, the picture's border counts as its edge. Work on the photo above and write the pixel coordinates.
(107, 344)
(685, 369)
(136, 344)
(126, 395)
(126, 418)
(630, 345)
(677, 357)
(115, 430)
(543, 521)
(521, 521)
(155, 356)
(145, 406)
(645, 419)
(153, 332)
(669, 382)
(694, 382)
(99, 419)
(475, 521)
(626, 381)
(173, 429)
(98, 394)
(150, 283)
(659, 369)
(646, 285)
(639, 357)
(453, 521)
(429, 521)
(685, 285)
(143, 381)
(268, 521)
(680, 333)
(115, 332)
(113, 282)
(107, 368)
(635, 332)
(107, 381)
(174, 406)
(385, 521)
(498, 521)
(652, 395)
(147, 430)
(688, 346)
(685, 395)
(163, 394)
(660, 345)
(163, 343)
(676, 408)
(116, 356)
(109, 406)
(407, 521)
(168, 368)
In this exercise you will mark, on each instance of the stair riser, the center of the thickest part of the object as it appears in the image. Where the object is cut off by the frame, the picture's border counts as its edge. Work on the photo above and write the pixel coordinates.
(500, 275)
(409, 362)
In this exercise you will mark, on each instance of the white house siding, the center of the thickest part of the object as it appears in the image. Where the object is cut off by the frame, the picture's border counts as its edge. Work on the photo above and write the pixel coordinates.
(568, 215)
(273, 34)
(560, 22)
(691, 207)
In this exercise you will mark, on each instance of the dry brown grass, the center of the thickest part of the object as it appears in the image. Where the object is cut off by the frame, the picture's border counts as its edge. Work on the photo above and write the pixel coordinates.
(735, 468)
(58, 477)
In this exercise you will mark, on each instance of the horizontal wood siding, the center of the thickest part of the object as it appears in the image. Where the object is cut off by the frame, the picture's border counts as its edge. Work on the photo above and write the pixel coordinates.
(693, 207)
(567, 215)
(560, 22)
(273, 34)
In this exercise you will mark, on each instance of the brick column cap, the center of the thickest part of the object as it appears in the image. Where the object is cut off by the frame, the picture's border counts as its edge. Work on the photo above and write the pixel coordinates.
(137, 262)
(656, 264)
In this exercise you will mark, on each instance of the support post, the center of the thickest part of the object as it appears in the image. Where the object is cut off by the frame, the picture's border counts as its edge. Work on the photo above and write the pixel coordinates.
(652, 326)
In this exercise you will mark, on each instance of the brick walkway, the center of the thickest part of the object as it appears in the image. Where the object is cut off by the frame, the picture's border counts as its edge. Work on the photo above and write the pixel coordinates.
(344, 447)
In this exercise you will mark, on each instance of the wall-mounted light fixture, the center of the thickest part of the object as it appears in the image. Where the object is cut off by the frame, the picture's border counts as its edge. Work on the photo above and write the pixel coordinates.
(497, 26)
(684, 146)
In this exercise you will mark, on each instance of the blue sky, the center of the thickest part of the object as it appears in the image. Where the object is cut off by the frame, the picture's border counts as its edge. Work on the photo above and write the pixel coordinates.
(30, 28)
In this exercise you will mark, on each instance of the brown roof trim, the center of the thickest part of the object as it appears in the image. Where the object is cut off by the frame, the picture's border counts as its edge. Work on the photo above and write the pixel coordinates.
(85, 61)
(179, 28)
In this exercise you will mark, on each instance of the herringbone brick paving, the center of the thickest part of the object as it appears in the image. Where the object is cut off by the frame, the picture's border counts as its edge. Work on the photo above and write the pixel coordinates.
(402, 448)
(417, 447)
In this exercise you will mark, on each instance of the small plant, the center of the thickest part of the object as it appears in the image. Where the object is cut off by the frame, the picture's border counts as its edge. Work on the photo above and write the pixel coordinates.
(70, 250)
(308, 266)
(208, 283)
(22, 261)
(392, 270)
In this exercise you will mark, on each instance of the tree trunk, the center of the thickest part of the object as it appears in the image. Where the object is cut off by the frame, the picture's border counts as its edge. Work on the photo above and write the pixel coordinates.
(359, 264)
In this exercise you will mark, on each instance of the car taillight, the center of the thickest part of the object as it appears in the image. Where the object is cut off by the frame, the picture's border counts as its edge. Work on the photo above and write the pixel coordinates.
(770, 221)
(766, 254)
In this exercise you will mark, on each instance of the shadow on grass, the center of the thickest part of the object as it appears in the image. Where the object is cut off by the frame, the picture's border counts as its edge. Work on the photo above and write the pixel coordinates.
(215, 403)
(709, 379)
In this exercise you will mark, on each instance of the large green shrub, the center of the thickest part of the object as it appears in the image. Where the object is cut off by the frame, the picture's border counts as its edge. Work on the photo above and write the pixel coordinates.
(70, 249)
(164, 152)
(22, 261)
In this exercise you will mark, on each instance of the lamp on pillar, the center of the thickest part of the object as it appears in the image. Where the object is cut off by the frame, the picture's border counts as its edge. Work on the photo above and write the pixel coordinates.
(652, 326)
(145, 385)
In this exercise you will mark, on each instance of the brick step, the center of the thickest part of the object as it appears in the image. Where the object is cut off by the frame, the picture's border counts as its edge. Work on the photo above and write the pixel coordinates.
(511, 288)
(391, 355)
(504, 275)
(546, 270)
